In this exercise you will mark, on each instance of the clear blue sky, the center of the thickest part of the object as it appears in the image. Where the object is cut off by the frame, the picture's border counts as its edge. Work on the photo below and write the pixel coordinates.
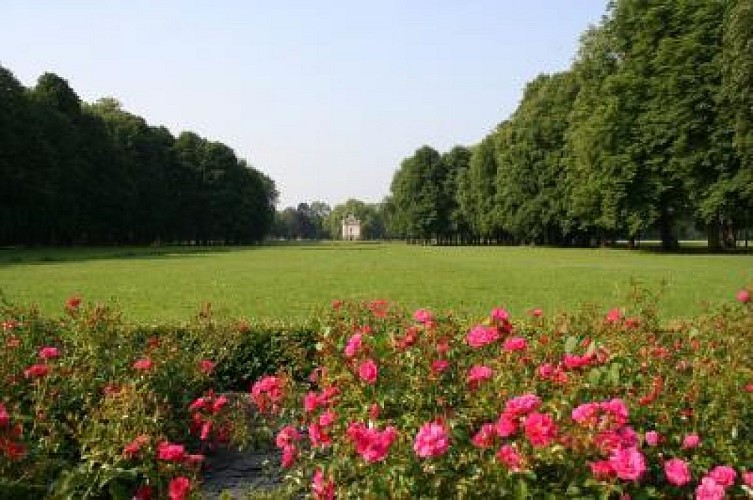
(326, 97)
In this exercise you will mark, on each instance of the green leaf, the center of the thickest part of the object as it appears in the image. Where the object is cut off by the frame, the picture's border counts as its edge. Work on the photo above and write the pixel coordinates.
(570, 344)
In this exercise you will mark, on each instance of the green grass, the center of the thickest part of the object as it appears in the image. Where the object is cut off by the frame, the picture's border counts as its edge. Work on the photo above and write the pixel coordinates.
(291, 281)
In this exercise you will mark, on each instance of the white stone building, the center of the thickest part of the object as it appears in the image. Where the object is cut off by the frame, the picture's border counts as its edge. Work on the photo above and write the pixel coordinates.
(351, 228)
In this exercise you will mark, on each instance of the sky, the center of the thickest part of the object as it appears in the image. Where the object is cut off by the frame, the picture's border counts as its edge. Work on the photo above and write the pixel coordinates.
(325, 97)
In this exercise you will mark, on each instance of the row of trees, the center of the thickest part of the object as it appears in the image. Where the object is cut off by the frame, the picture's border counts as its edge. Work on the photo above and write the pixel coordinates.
(72, 172)
(649, 130)
(319, 221)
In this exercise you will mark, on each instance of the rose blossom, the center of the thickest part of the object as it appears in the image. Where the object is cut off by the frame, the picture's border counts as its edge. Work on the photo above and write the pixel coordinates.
(677, 471)
(506, 426)
(509, 456)
(287, 436)
(478, 374)
(4, 416)
(748, 478)
(601, 470)
(515, 344)
(143, 364)
(49, 352)
(439, 365)
(353, 345)
(521, 405)
(423, 316)
(170, 452)
(709, 490)
(540, 429)
(322, 489)
(481, 335)
(723, 474)
(628, 463)
(179, 488)
(743, 296)
(372, 444)
(484, 438)
(652, 438)
(431, 441)
(36, 371)
(691, 441)
(368, 371)
(206, 366)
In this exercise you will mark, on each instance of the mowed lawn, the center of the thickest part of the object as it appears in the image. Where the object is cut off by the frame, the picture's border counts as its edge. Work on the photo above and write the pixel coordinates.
(278, 281)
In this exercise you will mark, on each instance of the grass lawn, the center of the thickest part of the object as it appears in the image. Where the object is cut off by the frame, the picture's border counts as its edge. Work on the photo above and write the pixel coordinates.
(276, 281)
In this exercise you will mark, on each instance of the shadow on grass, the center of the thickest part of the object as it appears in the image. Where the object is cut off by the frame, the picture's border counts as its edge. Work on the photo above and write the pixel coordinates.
(10, 256)
(53, 255)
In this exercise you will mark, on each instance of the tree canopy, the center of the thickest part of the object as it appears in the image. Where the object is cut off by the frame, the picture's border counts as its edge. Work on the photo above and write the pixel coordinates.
(648, 133)
(79, 173)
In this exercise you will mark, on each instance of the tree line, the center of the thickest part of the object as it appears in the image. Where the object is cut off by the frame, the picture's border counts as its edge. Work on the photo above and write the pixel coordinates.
(79, 173)
(649, 132)
(318, 221)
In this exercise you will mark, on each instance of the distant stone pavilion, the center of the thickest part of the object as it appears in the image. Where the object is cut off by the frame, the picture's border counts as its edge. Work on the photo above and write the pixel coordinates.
(351, 228)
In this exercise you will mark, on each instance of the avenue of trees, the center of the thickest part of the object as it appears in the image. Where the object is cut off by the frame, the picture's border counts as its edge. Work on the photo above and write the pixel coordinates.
(318, 221)
(650, 132)
(78, 173)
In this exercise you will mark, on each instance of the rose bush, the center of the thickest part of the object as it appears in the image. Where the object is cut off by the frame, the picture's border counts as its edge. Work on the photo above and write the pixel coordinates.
(590, 404)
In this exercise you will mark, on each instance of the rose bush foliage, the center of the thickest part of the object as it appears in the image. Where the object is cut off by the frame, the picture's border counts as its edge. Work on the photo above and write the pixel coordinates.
(584, 405)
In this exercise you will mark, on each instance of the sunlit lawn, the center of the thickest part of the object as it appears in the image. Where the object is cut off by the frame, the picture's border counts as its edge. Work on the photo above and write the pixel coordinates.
(292, 281)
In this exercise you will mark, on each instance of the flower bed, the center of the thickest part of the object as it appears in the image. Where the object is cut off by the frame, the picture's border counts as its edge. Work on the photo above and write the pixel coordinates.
(91, 406)
(581, 405)
(586, 405)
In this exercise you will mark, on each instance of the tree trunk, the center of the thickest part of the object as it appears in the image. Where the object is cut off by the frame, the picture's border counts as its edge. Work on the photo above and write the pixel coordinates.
(713, 236)
(668, 240)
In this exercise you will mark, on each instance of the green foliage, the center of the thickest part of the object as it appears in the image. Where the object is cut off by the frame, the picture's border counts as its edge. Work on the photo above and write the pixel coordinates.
(95, 174)
(649, 129)
(673, 379)
(71, 421)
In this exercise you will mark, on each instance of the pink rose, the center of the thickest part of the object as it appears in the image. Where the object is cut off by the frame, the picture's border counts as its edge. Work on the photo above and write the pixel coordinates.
(4, 416)
(170, 452)
(709, 490)
(723, 475)
(478, 374)
(49, 352)
(677, 471)
(691, 441)
(613, 316)
(353, 345)
(287, 436)
(484, 438)
(481, 335)
(289, 455)
(586, 414)
(431, 441)
(628, 463)
(509, 456)
(368, 371)
(748, 478)
(439, 365)
(179, 488)
(506, 426)
(321, 488)
(423, 316)
(499, 314)
(653, 438)
(540, 429)
(371, 443)
(143, 364)
(743, 296)
(602, 470)
(521, 405)
(515, 344)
